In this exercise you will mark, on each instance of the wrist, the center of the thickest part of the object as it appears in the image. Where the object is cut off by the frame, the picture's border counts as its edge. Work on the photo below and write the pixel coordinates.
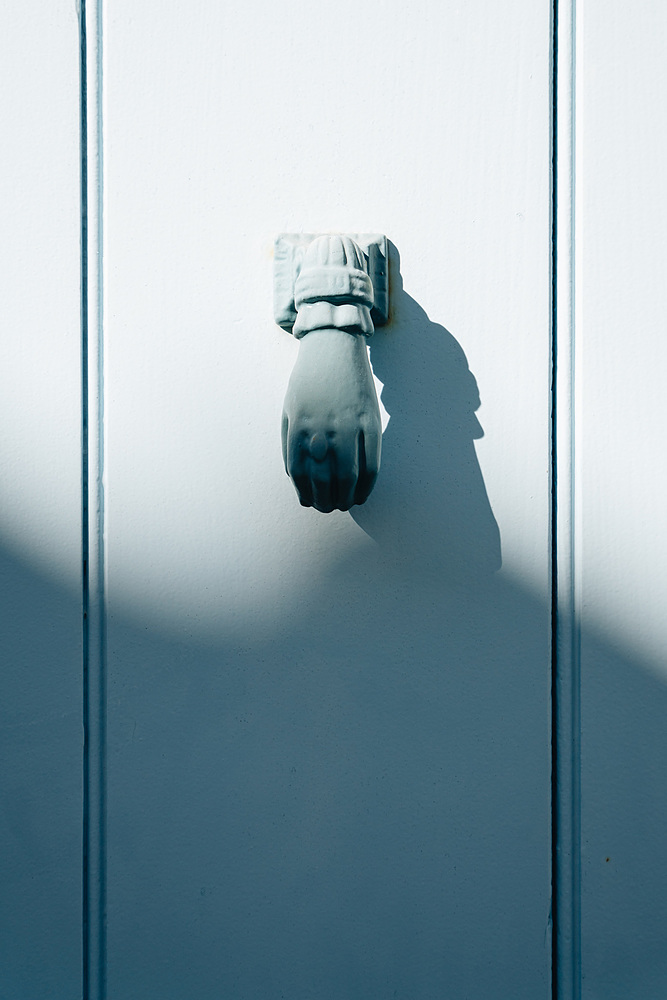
(351, 317)
(332, 342)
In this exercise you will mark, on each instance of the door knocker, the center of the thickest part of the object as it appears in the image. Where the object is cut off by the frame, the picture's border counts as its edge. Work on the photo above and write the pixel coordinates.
(331, 291)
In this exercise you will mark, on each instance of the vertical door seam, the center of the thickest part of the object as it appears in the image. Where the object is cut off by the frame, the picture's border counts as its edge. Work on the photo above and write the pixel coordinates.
(92, 504)
(565, 515)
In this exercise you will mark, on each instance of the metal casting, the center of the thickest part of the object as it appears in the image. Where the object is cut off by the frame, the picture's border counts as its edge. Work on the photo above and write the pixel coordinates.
(330, 291)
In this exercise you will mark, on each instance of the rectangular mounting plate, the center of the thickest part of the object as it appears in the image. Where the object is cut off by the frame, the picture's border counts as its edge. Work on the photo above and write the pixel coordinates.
(290, 249)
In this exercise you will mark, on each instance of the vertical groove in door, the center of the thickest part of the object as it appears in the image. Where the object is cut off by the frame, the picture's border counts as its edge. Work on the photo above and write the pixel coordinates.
(93, 562)
(566, 535)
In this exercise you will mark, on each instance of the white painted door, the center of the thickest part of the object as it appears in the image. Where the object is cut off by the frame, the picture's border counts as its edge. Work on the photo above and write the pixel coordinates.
(40, 505)
(277, 753)
(620, 535)
(328, 735)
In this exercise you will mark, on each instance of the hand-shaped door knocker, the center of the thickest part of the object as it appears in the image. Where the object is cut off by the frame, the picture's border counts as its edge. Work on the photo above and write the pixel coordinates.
(330, 290)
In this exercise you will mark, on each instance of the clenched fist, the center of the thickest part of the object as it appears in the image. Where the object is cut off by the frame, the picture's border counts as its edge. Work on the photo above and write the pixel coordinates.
(331, 420)
(331, 428)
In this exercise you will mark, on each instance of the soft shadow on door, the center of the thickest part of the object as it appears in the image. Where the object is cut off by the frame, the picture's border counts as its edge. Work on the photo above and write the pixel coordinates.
(430, 507)
(351, 800)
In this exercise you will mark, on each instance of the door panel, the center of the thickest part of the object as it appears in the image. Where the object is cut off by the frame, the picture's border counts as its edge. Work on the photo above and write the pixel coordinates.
(328, 734)
(40, 504)
(621, 476)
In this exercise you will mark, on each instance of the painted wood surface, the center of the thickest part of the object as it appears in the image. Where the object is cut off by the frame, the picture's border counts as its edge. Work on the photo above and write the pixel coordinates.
(40, 504)
(329, 735)
(328, 759)
(620, 474)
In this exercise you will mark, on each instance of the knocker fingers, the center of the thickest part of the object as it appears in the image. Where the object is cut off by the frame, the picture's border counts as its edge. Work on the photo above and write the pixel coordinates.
(322, 465)
(310, 464)
(331, 471)
(346, 472)
(369, 463)
(297, 463)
